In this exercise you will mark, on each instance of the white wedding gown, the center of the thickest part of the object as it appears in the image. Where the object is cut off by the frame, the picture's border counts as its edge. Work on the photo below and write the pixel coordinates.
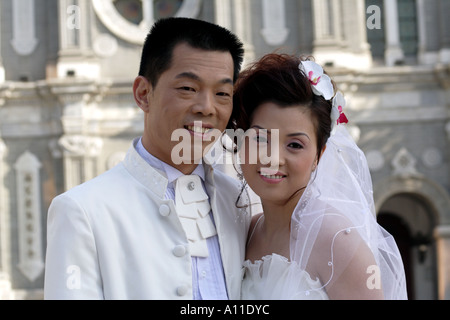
(267, 279)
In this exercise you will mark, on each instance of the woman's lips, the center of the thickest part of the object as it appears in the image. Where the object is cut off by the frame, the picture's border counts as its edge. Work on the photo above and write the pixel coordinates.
(272, 177)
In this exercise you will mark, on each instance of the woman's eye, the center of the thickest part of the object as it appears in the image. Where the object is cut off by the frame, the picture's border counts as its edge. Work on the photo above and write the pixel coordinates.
(295, 145)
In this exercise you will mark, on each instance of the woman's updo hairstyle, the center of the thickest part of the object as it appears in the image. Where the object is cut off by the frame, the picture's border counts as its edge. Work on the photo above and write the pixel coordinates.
(277, 78)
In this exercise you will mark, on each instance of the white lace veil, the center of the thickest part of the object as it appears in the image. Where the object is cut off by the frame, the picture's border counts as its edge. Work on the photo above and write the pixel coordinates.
(334, 233)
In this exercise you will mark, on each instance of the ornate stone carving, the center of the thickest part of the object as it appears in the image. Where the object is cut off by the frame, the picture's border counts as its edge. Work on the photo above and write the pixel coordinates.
(375, 160)
(31, 261)
(24, 39)
(447, 129)
(404, 164)
(81, 146)
(274, 22)
(105, 45)
(80, 158)
(432, 158)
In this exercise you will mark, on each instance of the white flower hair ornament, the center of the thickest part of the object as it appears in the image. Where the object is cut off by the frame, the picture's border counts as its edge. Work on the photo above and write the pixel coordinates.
(322, 86)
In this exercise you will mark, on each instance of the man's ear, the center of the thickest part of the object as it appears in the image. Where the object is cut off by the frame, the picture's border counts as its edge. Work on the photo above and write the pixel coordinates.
(141, 90)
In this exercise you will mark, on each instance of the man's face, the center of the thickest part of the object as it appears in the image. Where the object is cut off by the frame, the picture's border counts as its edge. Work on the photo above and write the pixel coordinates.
(198, 87)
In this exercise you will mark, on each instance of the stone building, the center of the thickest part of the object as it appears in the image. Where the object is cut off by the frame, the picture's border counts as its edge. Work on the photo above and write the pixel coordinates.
(67, 113)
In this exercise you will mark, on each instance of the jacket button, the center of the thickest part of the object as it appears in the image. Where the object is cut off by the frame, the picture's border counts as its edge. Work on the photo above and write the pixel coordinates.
(182, 291)
(179, 251)
(164, 210)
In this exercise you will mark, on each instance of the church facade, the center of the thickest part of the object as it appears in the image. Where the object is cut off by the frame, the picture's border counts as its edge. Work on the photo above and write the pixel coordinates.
(67, 112)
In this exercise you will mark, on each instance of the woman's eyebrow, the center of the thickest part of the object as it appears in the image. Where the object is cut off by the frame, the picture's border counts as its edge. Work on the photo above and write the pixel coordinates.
(298, 134)
(289, 135)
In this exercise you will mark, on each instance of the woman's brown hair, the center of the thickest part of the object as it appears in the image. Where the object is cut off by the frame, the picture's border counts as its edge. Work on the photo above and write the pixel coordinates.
(277, 78)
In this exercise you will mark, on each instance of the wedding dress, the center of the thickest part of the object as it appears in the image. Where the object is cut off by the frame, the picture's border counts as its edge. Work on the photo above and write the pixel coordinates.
(265, 279)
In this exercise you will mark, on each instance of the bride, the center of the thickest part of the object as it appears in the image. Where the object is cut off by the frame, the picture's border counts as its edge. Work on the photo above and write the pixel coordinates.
(318, 237)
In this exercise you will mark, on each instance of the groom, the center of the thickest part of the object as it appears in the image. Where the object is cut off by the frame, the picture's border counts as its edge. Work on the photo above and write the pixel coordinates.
(150, 228)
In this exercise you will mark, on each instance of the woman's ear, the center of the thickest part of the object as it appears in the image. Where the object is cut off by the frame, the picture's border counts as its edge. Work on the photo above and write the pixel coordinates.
(141, 90)
(321, 153)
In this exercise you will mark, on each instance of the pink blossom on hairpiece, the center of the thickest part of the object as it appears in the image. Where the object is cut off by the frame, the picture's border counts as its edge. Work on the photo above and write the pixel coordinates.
(337, 111)
(320, 82)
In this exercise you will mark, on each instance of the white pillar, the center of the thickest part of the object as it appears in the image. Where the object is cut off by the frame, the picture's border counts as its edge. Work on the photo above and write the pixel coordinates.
(242, 13)
(424, 57)
(358, 54)
(442, 236)
(148, 13)
(324, 32)
(4, 218)
(223, 13)
(340, 34)
(444, 54)
(75, 54)
(326, 45)
(2, 70)
(394, 51)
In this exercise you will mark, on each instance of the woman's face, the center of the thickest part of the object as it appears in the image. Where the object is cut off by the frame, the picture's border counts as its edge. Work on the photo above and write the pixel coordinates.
(286, 152)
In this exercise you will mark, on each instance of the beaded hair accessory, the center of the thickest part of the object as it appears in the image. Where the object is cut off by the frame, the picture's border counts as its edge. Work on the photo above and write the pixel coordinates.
(322, 86)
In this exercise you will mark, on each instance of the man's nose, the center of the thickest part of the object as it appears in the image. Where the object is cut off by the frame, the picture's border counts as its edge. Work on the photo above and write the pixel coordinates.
(204, 104)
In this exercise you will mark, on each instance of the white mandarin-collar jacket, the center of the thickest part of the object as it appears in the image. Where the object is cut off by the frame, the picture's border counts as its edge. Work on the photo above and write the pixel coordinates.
(115, 237)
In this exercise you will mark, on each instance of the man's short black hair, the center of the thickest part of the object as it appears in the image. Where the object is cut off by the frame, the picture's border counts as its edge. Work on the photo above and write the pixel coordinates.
(167, 33)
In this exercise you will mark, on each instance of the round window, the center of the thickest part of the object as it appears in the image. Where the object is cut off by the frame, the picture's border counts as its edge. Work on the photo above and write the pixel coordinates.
(131, 19)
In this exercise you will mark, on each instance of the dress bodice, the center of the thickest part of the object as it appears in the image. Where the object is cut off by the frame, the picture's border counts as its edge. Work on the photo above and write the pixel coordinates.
(271, 279)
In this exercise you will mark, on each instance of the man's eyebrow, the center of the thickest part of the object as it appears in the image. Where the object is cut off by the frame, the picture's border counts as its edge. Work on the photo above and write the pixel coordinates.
(227, 81)
(189, 75)
(193, 76)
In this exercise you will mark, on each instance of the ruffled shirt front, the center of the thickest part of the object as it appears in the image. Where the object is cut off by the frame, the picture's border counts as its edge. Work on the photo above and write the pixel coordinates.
(271, 279)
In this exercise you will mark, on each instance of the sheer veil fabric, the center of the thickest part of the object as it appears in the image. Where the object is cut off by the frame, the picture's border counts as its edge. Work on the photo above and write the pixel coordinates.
(334, 229)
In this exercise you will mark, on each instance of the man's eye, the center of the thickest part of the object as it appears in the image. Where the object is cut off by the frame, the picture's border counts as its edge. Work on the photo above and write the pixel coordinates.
(187, 89)
(223, 94)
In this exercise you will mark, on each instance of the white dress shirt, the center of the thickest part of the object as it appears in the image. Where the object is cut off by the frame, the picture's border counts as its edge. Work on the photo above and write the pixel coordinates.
(208, 279)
